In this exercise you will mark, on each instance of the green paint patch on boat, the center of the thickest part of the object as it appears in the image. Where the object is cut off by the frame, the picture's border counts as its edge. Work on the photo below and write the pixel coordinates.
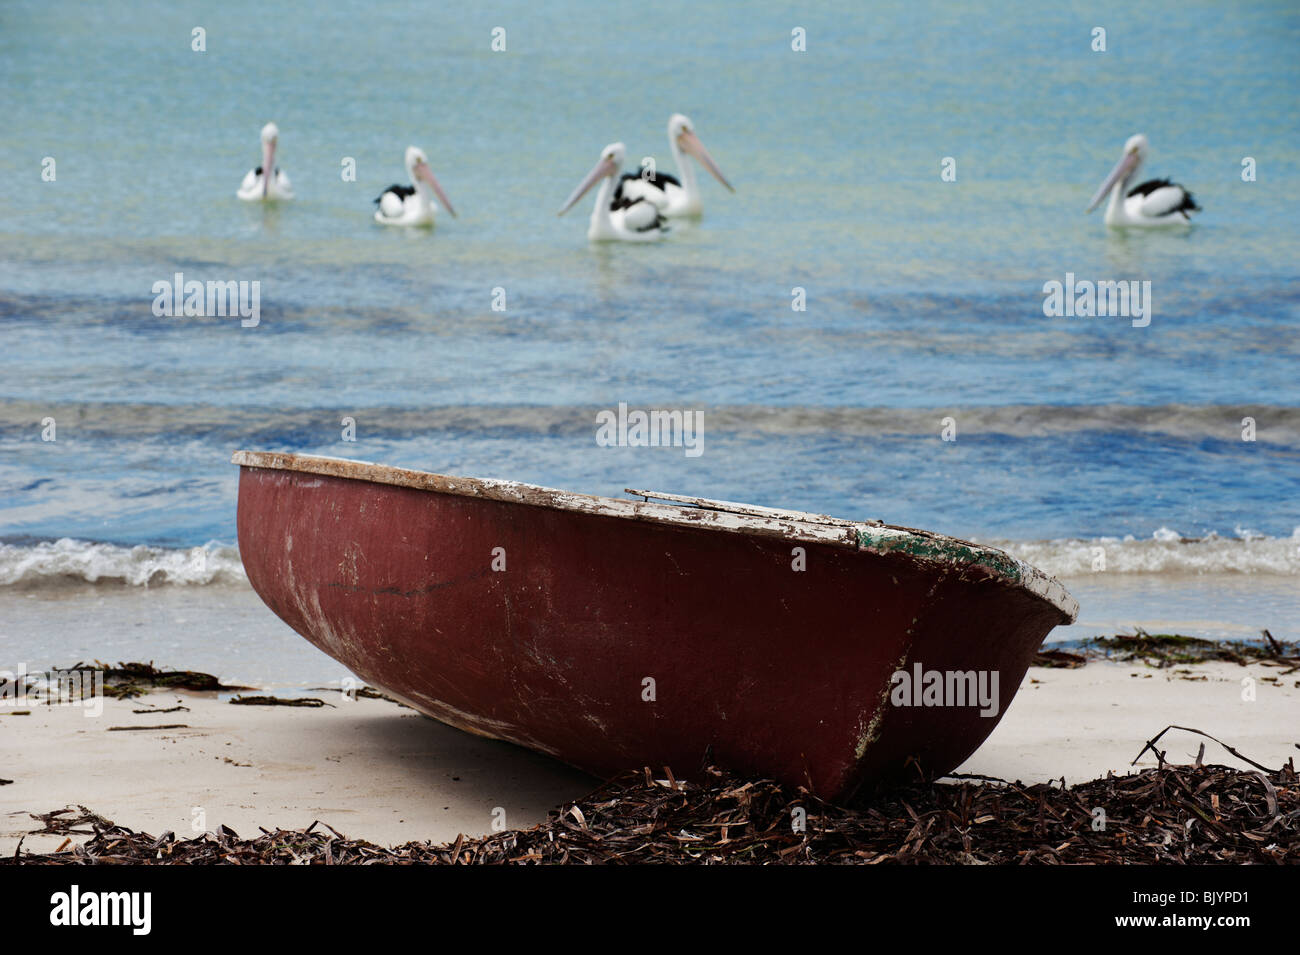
(946, 550)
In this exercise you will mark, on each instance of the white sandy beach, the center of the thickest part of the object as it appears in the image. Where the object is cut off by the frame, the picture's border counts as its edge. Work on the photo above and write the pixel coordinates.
(377, 771)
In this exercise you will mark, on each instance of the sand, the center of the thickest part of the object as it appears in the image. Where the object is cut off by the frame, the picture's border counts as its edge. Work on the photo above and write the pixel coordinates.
(1084, 723)
(369, 768)
(377, 771)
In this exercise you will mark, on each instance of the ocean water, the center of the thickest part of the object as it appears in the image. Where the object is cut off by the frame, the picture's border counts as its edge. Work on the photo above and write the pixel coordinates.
(924, 297)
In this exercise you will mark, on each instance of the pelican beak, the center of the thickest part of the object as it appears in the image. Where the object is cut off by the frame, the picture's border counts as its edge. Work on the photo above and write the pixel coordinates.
(268, 166)
(422, 171)
(1122, 169)
(598, 172)
(691, 144)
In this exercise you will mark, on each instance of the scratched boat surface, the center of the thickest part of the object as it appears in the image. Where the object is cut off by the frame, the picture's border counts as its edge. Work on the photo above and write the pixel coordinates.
(615, 634)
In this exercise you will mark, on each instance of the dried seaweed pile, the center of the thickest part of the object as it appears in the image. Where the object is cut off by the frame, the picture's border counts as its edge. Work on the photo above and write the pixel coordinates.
(1170, 815)
(1172, 649)
(127, 680)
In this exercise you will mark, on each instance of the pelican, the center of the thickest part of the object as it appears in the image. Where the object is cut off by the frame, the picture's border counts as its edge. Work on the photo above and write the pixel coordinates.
(258, 186)
(616, 220)
(412, 205)
(1154, 203)
(674, 197)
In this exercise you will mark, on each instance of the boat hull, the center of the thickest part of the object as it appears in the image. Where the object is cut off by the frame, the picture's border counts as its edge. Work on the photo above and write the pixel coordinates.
(613, 643)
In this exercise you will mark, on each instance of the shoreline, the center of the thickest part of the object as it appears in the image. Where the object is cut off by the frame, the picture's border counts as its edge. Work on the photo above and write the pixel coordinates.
(227, 629)
(372, 769)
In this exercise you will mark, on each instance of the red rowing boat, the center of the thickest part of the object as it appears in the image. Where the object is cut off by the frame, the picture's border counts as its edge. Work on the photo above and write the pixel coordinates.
(660, 631)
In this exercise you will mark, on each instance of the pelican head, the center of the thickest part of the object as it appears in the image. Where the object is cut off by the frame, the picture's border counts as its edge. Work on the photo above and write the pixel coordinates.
(1135, 153)
(270, 139)
(414, 156)
(609, 164)
(417, 166)
(682, 133)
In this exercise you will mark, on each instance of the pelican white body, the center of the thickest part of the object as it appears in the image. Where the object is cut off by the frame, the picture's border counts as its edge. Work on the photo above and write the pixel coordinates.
(1156, 203)
(266, 183)
(412, 205)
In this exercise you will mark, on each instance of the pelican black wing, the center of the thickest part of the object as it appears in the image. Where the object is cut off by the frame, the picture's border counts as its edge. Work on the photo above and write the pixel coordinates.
(1188, 204)
(400, 191)
(659, 180)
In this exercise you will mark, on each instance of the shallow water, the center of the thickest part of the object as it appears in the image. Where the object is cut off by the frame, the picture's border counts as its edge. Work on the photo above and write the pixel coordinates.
(924, 298)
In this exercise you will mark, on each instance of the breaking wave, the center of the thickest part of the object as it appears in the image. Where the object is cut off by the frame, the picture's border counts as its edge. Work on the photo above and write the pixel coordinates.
(89, 562)
(1166, 552)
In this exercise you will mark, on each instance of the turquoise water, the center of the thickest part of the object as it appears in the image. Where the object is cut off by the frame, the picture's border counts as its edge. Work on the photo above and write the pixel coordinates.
(924, 297)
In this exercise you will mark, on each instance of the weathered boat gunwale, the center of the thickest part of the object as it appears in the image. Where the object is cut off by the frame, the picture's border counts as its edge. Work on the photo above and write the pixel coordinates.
(753, 510)
(923, 547)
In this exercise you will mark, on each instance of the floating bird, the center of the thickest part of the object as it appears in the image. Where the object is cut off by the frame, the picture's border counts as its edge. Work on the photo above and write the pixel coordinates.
(412, 205)
(616, 220)
(257, 185)
(673, 196)
(1156, 202)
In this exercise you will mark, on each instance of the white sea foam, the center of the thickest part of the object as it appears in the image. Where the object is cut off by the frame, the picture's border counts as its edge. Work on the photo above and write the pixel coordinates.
(1166, 552)
(68, 559)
